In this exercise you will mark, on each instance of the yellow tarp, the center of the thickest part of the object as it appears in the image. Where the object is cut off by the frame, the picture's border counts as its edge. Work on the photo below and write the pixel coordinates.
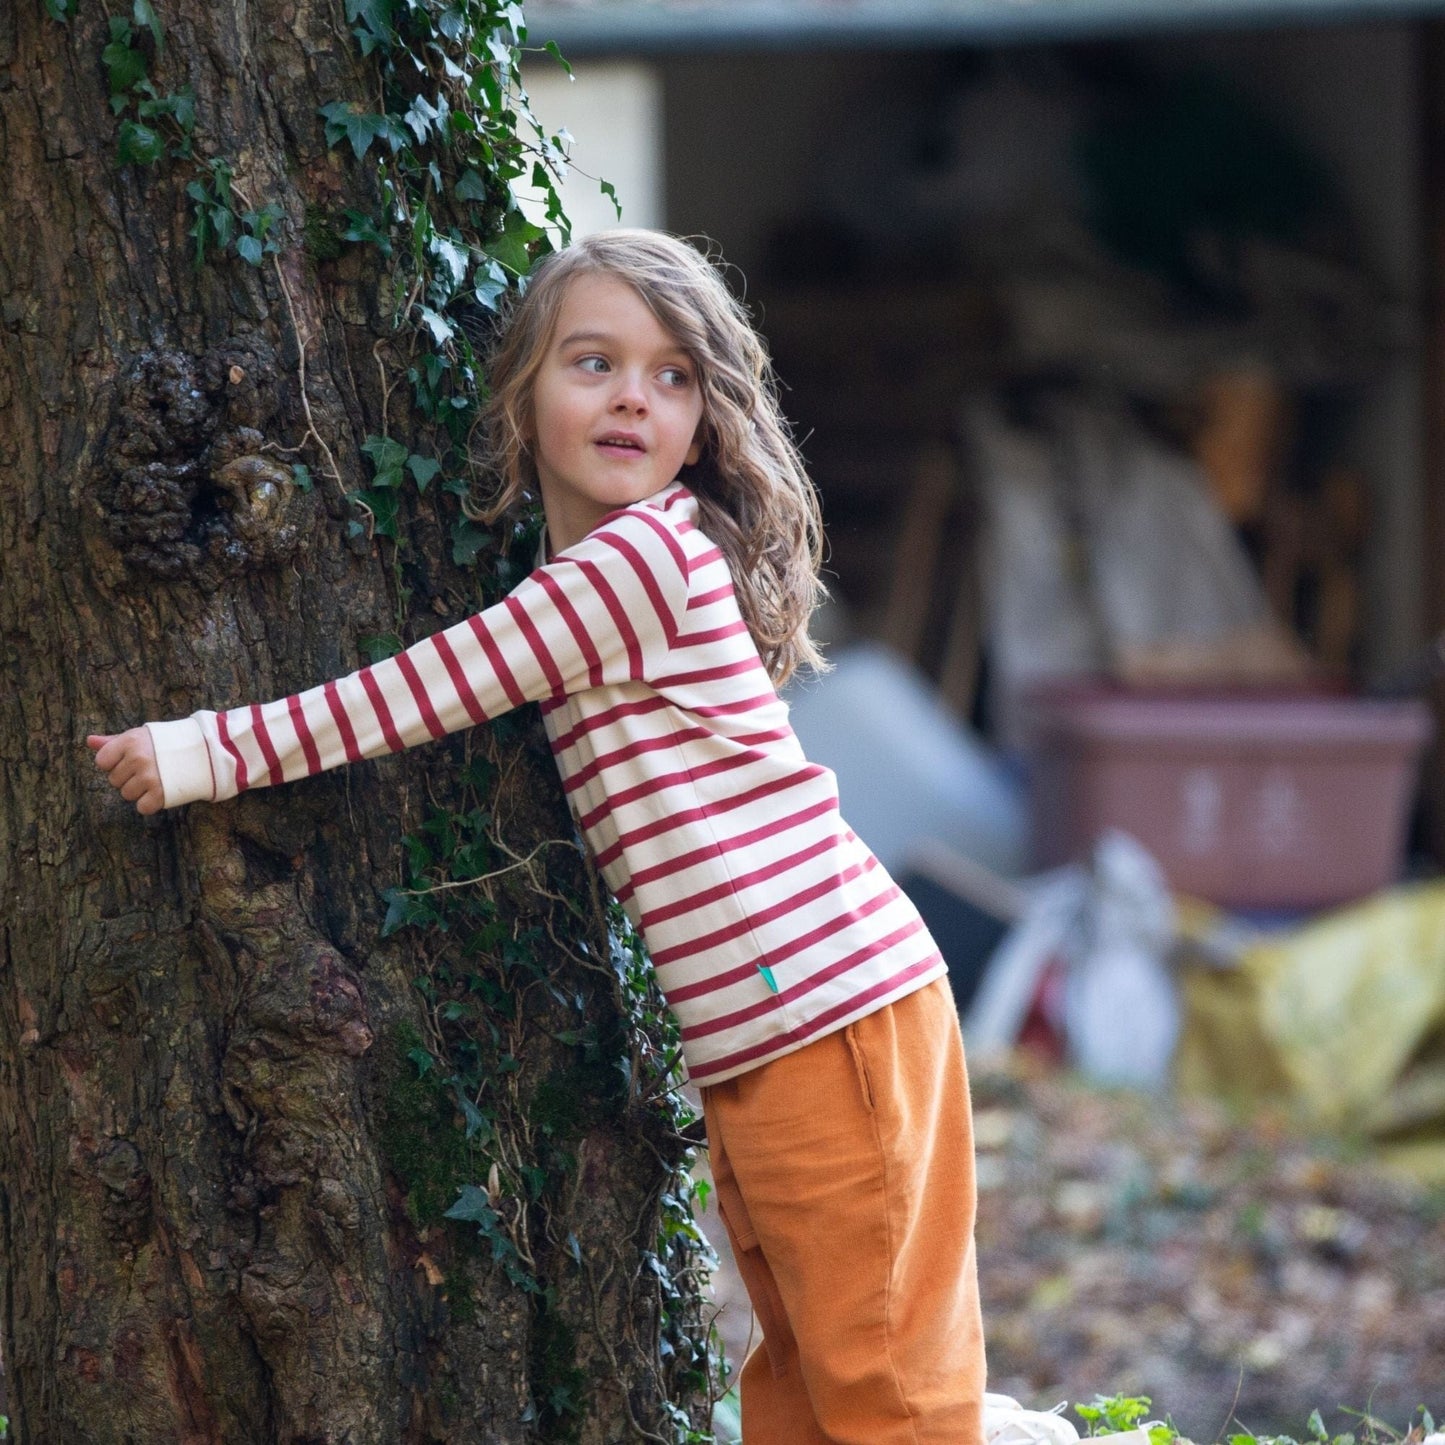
(1343, 1019)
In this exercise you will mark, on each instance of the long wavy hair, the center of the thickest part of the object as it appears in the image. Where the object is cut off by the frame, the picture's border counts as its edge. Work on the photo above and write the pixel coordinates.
(754, 496)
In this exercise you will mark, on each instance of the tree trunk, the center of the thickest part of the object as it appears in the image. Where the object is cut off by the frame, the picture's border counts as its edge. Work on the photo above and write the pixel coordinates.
(225, 1150)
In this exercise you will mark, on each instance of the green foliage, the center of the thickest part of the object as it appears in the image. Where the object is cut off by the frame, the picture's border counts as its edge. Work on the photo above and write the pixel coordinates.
(222, 225)
(1369, 1431)
(1109, 1414)
(162, 123)
(426, 1153)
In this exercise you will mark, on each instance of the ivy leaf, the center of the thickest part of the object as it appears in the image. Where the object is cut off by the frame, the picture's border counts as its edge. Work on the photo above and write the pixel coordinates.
(441, 329)
(383, 511)
(387, 457)
(301, 475)
(423, 469)
(360, 127)
(471, 187)
(490, 283)
(144, 15)
(451, 22)
(452, 257)
(363, 228)
(223, 223)
(479, 1127)
(379, 646)
(473, 1207)
(181, 106)
(421, 116)
(468, 538)
(125, 65)
(139, 144)
(510, 248)
(551, 48)
(610, 191)
(60, 9)
(376, 24)
(250, 249)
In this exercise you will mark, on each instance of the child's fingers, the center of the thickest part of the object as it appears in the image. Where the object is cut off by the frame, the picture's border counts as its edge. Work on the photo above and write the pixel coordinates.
(108, 751)
(151, 802)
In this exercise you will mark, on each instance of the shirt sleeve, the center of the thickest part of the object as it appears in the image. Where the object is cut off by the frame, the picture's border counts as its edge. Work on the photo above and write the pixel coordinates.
(606, 610)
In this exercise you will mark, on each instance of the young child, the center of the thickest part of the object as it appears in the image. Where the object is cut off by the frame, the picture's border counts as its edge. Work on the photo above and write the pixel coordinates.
(672, 595)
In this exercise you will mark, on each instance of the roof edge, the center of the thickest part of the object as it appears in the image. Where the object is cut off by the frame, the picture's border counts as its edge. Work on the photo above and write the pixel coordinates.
(647, 27)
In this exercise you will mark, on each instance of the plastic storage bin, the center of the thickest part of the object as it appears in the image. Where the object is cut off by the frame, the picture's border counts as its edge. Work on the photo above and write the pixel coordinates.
(1275, 802)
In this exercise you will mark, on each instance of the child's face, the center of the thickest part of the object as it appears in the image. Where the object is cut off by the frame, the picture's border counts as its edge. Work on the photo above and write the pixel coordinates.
(616, 408)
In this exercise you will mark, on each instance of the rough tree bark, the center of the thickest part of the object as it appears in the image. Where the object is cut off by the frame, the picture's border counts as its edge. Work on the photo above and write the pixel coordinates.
(212, 1143)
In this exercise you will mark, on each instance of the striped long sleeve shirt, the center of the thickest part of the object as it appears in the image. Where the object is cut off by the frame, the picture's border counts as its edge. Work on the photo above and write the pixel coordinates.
(768, 922)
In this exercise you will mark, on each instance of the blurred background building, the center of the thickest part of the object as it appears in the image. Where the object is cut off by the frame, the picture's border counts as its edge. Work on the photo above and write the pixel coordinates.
(1114, 334)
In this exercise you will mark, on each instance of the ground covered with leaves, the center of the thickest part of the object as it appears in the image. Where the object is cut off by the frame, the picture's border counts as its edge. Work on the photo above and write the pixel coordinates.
(1236, 1272)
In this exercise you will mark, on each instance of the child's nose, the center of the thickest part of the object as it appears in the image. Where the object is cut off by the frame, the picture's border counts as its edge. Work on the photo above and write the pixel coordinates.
(630, 394)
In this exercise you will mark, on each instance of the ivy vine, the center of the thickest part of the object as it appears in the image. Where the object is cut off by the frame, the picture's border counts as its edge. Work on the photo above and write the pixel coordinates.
(441, 163)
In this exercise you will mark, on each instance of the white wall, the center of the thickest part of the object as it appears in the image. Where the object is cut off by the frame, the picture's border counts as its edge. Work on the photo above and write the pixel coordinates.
(613, 108)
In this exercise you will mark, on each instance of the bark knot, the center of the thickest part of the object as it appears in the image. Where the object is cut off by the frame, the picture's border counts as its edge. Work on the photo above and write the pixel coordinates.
(188, 491)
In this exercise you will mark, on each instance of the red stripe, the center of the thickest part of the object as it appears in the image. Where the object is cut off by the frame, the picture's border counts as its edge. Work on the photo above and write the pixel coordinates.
(716, 634)
(726, 709)
(701, 943)
(638, 563)
(649, 786)
(343, 723)
(602, 719)
(407, 668)
(620, 619)
(706, 599)
(684, 861)
(533, 639)
(680, 495)
(725, 805)
(750, 663)
(465, 694)
(623, 755)
(804, 1031)
(303, 733)
(720, 1023)
(669, 540)
(795, 945)
(268, 750)
(382, 711)
(652, 918)
(499, 663)
(563, 603)
(242, 773)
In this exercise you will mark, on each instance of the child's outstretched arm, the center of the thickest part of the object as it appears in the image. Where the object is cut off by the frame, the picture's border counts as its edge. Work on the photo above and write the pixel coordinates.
(597, 613)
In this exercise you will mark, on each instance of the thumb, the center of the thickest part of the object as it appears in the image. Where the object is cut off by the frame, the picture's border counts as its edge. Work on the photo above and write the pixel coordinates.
(98, 740)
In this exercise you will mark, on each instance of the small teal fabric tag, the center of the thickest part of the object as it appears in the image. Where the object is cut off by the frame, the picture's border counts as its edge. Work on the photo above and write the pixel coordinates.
(768, 978)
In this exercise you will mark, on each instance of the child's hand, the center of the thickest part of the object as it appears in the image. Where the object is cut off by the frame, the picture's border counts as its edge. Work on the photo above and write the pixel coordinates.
(130, 760)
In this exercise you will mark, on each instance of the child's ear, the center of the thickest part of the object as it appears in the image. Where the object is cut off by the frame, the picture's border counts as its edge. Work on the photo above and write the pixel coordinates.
(694, 452)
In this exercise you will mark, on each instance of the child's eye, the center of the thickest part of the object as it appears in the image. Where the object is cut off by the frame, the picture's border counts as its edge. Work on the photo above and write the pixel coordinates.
(595, 364)
(676, 376)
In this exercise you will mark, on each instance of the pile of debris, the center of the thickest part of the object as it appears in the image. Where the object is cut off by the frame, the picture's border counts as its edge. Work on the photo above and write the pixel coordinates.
(1132, 1244)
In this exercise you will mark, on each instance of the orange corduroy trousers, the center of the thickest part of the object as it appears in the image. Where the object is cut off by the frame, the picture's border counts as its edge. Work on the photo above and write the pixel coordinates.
(844, 1175)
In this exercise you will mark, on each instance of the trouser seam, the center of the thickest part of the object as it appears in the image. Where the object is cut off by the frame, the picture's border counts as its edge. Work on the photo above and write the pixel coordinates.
(909, 1414)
